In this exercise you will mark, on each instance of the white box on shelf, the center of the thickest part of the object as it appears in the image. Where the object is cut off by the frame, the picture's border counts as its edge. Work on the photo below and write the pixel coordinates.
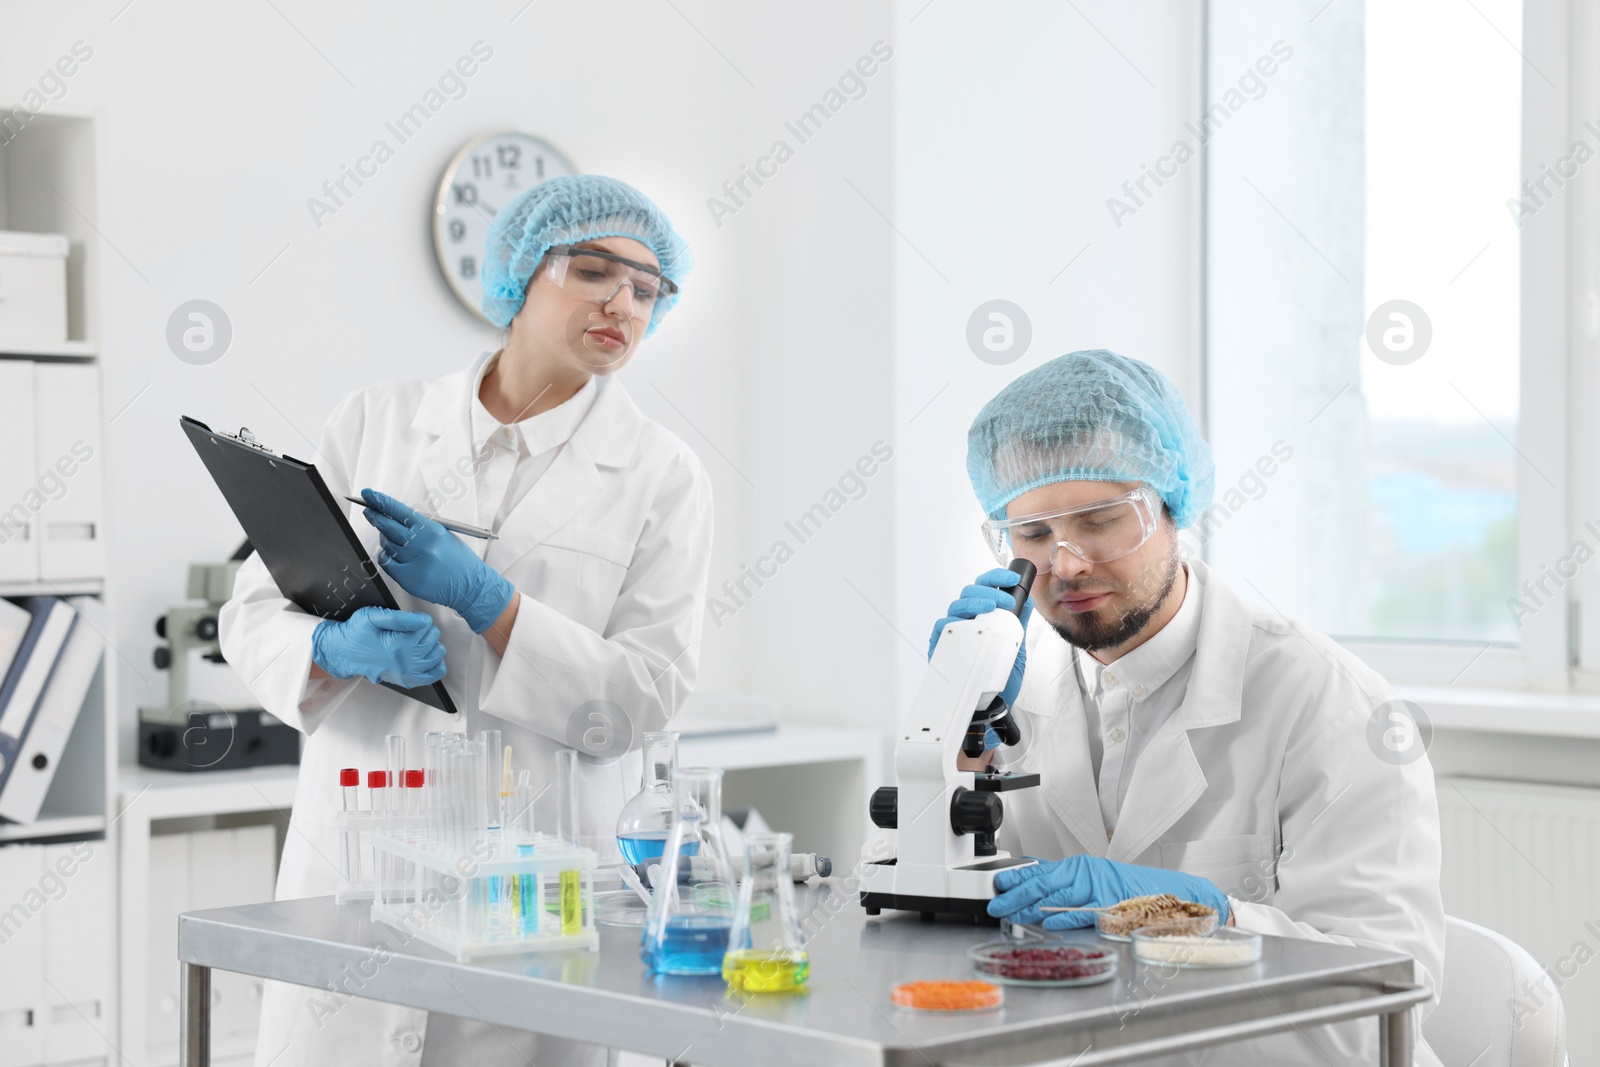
(33, 286)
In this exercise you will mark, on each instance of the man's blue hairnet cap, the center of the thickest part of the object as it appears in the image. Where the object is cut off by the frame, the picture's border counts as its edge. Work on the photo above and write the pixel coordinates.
(566, 211)
(1090, 416)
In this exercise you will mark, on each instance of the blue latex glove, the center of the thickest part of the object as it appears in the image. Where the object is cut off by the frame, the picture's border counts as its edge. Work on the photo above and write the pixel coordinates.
(381, 645)
(987, 593)
(434, 564)
(1089, 881)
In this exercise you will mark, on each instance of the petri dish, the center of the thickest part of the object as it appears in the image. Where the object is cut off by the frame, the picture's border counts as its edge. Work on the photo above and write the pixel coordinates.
(1043, 963)
(947, 996)
(619, 907)
(1177, 945)
(1119, 922)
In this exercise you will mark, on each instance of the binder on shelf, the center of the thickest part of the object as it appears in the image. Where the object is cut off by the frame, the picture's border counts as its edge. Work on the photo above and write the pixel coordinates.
(52, 621)
(22, 794)
(14, 623)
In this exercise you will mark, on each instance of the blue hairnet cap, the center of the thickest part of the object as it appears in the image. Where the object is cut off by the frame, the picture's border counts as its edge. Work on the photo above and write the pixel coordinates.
(1090, 416)
(569, 210)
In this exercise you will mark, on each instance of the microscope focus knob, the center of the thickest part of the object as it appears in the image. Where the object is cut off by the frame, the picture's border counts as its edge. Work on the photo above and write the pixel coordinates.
(885, 806)
(972, 812)
(205, 628)
(161, 627)
(162, 657)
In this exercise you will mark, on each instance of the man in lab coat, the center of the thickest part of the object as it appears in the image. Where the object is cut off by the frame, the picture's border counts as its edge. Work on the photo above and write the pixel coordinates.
(1188, 742)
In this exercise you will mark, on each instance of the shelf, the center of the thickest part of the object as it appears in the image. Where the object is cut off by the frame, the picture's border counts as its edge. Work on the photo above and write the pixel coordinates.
(47, 350)
(79, 587)
(53, 826)
(181, 794)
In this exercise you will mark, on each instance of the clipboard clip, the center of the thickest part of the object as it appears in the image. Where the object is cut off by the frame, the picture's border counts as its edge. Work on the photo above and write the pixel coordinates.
(245, 437)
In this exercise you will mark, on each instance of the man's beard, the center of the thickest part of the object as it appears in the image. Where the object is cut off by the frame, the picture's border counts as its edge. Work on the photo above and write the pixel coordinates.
(1090, 635)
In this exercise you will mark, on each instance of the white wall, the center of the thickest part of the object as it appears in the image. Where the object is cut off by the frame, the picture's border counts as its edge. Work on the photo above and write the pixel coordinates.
(1014, 125)
(810, 330)
(219, 121)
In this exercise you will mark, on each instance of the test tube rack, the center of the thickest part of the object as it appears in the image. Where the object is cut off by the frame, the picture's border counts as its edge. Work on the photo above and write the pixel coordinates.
(356, 862)
(497, 897)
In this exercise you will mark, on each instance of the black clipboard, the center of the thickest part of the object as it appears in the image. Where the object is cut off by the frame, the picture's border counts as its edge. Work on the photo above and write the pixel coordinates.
(301, 532)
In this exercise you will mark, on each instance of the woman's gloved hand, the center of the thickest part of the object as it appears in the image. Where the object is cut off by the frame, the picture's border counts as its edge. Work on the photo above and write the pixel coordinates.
(432, 563)
(1089, 881)
(381, 645)
(987, 593)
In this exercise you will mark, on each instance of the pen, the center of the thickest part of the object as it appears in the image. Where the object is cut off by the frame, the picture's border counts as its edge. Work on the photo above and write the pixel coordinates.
(453, 527)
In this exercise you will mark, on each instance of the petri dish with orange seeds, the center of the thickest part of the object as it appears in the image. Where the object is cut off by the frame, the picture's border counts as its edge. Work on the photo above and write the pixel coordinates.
(947, 995)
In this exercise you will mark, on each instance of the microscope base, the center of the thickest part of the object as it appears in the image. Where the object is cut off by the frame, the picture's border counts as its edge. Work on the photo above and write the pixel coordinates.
(216, 740)
(976, 910)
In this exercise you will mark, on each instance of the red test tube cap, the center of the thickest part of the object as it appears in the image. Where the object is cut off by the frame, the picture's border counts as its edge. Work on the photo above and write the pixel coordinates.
(413, 779)
(350, 776)
(377, 779)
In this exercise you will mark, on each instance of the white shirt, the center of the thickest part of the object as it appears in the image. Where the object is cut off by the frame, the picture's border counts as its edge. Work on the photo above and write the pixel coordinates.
(1127, 700)
(509, 459)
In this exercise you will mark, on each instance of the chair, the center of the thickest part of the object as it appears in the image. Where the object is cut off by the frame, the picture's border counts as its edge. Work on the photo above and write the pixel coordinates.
(1476, 1021)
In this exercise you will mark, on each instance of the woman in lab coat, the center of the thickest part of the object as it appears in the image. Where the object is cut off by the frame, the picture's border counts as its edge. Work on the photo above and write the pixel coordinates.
(1186, 742)
(578, 627)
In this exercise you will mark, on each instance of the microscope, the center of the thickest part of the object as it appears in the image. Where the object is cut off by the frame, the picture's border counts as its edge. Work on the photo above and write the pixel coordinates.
(946, 818)
(195, 735)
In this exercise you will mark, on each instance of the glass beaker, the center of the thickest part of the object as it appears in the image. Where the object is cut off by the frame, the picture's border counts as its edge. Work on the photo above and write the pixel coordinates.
(692, 903)
(773, 958)
(642, 827)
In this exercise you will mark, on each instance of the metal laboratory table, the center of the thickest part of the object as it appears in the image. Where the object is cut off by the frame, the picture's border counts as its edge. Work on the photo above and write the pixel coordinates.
(846, 1019)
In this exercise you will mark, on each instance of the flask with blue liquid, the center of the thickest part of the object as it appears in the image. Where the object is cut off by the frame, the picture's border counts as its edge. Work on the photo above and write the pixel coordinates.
(642, 827)
(687, 927)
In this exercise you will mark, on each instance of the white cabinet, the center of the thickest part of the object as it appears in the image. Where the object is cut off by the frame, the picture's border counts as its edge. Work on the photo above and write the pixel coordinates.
(57, 954)
(192, 872)
(22, 1003)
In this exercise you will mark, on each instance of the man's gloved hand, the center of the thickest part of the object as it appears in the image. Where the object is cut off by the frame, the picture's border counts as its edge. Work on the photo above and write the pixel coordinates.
(381, 645)
(987, 593)
(1089, 881)
(434, 564)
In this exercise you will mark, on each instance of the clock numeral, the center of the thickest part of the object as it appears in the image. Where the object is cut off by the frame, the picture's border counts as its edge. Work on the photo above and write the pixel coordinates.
(466, 193)
(458, 229)
(510, 155)
(482, 167)
(469, 267)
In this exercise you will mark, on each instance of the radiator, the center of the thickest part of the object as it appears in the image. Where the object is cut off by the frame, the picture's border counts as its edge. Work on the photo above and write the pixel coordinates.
(1524, 860)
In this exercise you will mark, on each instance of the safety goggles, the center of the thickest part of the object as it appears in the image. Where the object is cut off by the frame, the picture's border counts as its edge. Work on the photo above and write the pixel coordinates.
(1096, 533)
(598, 276)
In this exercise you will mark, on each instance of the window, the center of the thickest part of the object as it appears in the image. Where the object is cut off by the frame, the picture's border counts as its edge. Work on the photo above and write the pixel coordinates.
(1369, 288)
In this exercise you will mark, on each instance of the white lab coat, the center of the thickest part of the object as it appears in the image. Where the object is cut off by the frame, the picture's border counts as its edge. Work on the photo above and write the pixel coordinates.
(610, 550)
(1263, 782)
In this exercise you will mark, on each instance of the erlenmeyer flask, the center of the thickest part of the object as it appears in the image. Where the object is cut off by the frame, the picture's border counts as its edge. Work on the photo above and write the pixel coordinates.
(692, 902)
(765, 922)
(645, 820)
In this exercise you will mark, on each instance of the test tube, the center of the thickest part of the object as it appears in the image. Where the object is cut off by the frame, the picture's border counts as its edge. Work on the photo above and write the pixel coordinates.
(414, 796)
(567, 827)
(377, 783)
(490, 740)
(350, 857)
(397, 769)
(567, 795)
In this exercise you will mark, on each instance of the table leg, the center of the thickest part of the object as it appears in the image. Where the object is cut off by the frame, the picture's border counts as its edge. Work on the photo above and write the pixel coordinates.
(194, 1026)
(1394, 1039)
